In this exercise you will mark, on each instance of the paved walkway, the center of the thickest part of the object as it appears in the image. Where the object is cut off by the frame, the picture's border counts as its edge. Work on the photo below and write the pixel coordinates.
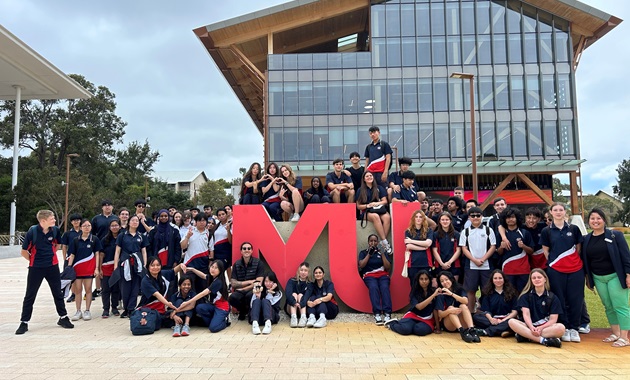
(105, 349)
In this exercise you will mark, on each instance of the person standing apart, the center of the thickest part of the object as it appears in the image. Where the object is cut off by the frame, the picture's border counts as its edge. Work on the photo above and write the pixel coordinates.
(378, 157)
(40, 249)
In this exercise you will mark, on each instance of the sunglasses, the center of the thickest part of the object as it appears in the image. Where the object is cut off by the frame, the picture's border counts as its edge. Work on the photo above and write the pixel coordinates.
(246, 249)
(474, 216)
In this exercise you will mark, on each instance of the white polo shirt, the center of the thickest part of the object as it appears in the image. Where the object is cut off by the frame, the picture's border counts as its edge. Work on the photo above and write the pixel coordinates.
(477, 243)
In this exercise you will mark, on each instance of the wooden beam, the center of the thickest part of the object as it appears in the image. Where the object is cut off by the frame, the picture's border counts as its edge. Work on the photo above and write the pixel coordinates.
(496, 191)
(319, 11)
(575, 209)
(269, 43)
(247, 63)
(460, 180)
(541, 194)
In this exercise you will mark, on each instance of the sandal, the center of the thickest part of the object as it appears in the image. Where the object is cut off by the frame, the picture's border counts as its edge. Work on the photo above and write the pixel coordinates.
(621, 343)
(611, 338)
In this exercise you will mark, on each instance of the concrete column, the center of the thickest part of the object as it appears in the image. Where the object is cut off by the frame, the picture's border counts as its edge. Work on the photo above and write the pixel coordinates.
(16, 147)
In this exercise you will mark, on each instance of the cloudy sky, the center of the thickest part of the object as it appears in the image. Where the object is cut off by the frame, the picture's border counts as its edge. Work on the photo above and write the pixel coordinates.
(169, 90)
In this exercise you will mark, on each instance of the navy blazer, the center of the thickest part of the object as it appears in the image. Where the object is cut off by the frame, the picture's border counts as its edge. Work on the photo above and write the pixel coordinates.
(618, 251)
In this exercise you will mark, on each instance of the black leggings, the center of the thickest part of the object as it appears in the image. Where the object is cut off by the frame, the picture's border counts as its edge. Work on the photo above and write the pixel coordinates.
(408, 326)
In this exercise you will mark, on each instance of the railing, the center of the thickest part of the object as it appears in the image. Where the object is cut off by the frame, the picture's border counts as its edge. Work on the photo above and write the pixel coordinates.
(5, 239)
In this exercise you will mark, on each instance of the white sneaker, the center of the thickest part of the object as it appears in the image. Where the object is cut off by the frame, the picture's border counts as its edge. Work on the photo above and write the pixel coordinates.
(87, 315)
(378, 319)
(267, 328)
(575, 336)
(295, 217)
(255, 328)
(566, 337)
(294, 321)
(321, 322)
(78, 315)
(311, 320)
(302, 322)
(585, 329)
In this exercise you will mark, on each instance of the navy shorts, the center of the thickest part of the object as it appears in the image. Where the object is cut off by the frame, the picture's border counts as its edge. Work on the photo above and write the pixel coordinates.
(475, 279)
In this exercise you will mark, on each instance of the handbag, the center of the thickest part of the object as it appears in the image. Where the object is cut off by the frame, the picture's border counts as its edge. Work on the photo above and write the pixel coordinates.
(404, 273)
(380, 210)
(144, 321)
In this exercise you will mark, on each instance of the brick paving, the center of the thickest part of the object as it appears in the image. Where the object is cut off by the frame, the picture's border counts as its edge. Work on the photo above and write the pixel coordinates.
(105, 349)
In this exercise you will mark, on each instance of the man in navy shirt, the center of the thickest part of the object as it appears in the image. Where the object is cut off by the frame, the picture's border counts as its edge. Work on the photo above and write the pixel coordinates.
(40, 249)
(407, 192)
(100, 223)
(395, 179)
(146, 224)
(378, 157)
(339, 184)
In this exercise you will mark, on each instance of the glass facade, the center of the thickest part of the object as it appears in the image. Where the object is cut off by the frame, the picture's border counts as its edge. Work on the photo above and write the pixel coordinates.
(321, 105)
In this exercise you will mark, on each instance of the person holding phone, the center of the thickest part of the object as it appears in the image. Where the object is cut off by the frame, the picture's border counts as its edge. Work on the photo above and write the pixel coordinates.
(265, 304)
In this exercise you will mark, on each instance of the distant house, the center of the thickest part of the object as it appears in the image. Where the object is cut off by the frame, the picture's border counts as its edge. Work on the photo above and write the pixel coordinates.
(604, 195)
(183, 181)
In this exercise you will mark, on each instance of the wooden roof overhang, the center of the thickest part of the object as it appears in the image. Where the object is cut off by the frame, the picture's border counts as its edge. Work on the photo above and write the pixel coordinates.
(240, 46)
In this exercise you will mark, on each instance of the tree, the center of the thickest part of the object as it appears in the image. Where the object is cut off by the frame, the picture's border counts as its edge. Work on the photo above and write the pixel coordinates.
(213, 193)
(622, 190)
(557, 188)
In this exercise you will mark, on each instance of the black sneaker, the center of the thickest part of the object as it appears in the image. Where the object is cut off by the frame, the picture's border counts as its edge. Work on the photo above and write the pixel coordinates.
(472, 331)
(466, 337)
(115, 312)
(521, 339)
(124, 314)
(480, 332)
(96, 293)
(105, 314)
(65, 323)
(71, 298)
(552, 342)
(242, 316)
(227, 321)
(22, 329)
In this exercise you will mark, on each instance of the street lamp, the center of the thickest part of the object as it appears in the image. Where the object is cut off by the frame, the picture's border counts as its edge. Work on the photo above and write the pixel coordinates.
(473, 134)
(65, 223)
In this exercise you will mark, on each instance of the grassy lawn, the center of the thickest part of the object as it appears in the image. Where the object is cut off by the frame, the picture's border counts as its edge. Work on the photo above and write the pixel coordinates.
(594, 305)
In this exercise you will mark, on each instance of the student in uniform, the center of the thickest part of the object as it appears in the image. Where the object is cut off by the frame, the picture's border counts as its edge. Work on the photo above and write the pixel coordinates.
(454, 206)
(84, 252)
(66, 238)
(186, 223)
(270, 189)
(562, 244)
(607, 265)
(452, 309)
(478, 245)
(534, 225)
(540, 309)
(498, 306)
(320, 300)
(100, 223)
(146, 223)
(395, 179)
(295, 290)
(222, 240)
(371, 201)
(406, 191)
(40, 249)
(157, 287)
(250, 193)
(214, 313)
(123, 215)
(316, 193)
(164, 241)
(290, 192)
(418, 240)
(378, 157)
(265, 304)
(111, 294)
(339, 184)
(514, 260)
(130, 256)
(182, 318)
(419, 320)
(197, 244)
(446, 249)
(355, 170)
(374, 269)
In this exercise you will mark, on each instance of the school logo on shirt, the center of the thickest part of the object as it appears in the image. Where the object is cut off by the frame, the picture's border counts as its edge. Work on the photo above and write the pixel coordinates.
(89, 246)
(452, 240)
(325, 294)
(569, 233)
(378, 147)
(544, 303)
(50, 238)
(139, 240)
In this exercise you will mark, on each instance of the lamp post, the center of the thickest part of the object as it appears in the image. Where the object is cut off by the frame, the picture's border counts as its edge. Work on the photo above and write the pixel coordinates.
(65, 219)
(473, 134)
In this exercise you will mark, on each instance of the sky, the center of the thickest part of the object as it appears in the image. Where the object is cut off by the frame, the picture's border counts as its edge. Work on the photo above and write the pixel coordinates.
(170, 92)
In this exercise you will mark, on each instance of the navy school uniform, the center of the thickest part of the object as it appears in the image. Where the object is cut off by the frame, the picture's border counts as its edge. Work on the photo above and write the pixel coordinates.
(149, 222)
(459, 220)
(446, 247)
(565, 270)
(100, 225)
(377, 280)
(215, 312)
(297, 185)
(420, 259)
(294, 286)
(397, 179)
(496, 306)
(382, 193)
(164, 284)
(330, 308)
(68, 237)
(165, 246)
(130, 261)
(356, 175)
(537, 259)
(406, 194)
(84, 252)
(249, 197)
(271, 201)
(376, 153)
(43, 264)
(267, 308)
(515, 261)
(540, 307)
(332, 178)
(107, 267)
(178, 298)
(416, 321)
(443, 301)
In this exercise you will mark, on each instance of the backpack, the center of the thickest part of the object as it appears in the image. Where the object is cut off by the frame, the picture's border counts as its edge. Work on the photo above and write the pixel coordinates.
(33, 230)
(144, 321)
(488, 243)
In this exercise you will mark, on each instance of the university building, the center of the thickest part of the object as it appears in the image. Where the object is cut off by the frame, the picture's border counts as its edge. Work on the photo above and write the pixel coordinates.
(314, 75)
